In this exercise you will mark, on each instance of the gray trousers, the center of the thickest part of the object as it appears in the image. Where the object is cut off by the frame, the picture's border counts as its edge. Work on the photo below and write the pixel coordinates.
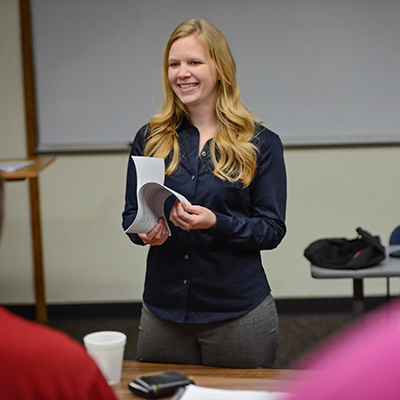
(249, 341)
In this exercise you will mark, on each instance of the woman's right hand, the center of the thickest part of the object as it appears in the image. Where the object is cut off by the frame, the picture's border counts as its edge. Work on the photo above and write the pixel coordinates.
(158, 235)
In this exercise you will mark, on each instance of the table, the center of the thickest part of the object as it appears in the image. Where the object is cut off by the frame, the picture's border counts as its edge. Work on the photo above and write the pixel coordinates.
(32, 174)
(223, 378)
(389, 267)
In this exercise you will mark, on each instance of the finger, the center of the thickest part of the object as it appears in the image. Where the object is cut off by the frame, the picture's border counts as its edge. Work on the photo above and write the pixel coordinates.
(144, 238)
(161, 240)
(198, 217)
(189, 209)
(157, 236)
(174, 219)
(149, 237)
(165, 230)
(163, 226)
(160, 235)
(186, 219)
(173, 216)
(157, 240)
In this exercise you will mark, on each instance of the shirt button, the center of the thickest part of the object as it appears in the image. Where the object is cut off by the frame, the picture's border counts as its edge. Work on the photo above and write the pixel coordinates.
(203, 153)
(186, 257)
(185, 282)
(193, 177)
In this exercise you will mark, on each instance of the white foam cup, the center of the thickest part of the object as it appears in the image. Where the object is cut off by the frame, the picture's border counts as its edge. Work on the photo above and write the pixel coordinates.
(107, 349)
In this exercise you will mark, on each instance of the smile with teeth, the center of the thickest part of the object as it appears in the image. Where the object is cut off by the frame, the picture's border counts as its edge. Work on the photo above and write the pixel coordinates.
(187, 85)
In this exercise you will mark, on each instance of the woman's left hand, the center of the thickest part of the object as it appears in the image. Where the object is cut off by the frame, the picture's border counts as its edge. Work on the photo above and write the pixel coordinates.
(190, 217)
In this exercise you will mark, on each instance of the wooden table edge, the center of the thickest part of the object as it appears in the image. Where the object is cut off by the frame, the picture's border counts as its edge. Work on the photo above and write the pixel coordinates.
(31, 171)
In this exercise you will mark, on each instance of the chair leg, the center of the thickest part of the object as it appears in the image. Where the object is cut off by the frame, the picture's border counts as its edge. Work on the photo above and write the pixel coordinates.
(387, 288)
(358, 297)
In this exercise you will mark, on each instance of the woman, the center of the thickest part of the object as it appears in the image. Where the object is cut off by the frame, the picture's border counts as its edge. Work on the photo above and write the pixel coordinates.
(206, 298)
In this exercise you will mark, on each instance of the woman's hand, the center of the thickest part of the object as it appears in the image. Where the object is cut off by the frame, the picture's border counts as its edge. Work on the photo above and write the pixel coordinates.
(190, 217)
(158, 235)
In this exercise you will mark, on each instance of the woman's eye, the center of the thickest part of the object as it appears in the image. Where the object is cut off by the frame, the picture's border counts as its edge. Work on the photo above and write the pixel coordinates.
(173, 65)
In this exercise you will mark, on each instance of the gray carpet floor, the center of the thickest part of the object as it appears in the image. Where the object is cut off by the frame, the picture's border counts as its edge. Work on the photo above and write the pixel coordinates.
(300, 333)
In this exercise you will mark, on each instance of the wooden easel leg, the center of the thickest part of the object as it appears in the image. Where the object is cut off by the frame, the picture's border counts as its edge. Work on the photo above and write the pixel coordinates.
(41, 309)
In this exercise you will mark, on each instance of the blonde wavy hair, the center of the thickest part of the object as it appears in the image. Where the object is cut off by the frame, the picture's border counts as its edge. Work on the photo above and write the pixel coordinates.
(232, 153)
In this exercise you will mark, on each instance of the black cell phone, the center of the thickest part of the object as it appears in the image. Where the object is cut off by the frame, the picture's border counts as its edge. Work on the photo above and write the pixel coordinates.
(395, 254)
(158, 385)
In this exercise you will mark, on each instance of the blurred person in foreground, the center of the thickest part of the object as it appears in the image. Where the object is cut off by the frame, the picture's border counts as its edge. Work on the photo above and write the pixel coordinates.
(361, 362)
(37, 362)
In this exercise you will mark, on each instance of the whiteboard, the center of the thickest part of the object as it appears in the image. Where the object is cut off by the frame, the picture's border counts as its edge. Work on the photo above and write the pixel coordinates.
(317, 72)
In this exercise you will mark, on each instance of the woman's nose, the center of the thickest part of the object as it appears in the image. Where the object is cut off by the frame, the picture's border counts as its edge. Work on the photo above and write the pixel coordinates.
(183, 72)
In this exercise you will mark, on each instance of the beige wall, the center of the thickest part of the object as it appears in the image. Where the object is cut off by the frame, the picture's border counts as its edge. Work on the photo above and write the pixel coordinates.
(88, 258)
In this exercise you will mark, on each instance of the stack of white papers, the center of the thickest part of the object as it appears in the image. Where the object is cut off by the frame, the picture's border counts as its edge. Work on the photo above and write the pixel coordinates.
(194, 392)
(151, 193)
(12, 166)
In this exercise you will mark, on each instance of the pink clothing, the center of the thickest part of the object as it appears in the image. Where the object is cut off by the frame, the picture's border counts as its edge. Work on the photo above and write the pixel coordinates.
(361, 363)
(37, 362)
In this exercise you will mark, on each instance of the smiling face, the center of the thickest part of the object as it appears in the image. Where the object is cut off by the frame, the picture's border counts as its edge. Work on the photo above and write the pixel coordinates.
(192, 74)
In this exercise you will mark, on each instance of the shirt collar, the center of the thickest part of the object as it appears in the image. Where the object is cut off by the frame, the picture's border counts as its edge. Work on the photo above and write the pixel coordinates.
(184, 121)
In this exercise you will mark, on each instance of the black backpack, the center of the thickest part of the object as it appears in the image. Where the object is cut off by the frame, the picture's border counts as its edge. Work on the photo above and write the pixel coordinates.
(340, 253)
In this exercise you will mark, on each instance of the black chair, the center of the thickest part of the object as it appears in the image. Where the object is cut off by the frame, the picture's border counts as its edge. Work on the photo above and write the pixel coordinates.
(394, 239)
(395, 236)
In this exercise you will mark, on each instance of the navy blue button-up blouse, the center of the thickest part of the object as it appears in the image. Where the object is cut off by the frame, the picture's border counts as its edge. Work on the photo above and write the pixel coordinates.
(201, 276)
